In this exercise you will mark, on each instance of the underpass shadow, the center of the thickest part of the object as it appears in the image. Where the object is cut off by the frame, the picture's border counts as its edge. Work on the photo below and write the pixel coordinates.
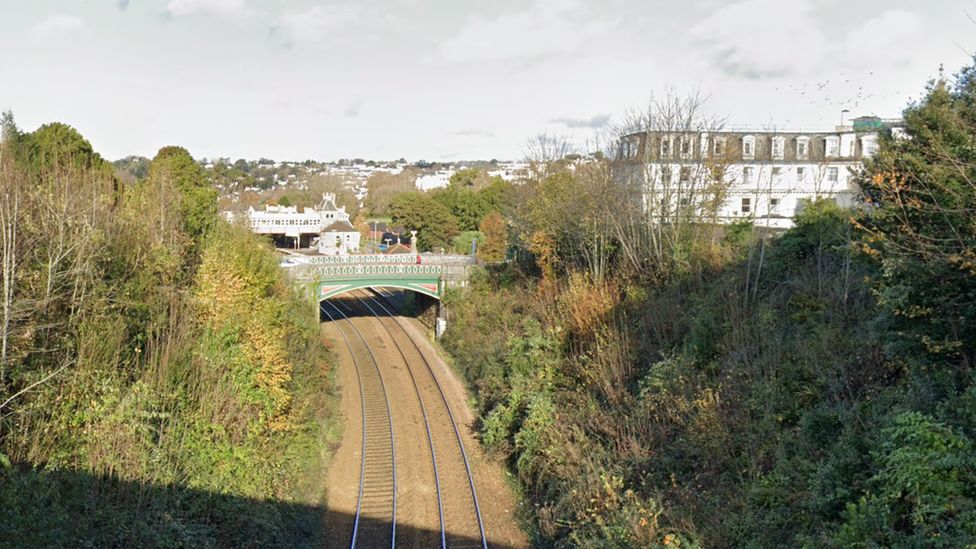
(64, 508)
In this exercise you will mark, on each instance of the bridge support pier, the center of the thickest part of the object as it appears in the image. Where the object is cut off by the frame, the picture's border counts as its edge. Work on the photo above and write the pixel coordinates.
(440, 323)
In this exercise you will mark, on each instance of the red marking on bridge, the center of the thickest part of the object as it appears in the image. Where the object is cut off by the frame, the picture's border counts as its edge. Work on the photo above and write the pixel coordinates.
(326, 289)
(432, 288)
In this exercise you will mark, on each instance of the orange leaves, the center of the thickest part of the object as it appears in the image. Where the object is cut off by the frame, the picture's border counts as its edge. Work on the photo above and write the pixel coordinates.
(587, 303)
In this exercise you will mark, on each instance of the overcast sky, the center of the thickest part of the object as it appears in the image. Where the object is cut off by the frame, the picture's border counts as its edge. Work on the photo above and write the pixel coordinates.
(452, 79)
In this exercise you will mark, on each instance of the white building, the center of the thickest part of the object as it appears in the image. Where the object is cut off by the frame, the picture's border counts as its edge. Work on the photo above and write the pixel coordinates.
(326, 226)
(763, 175)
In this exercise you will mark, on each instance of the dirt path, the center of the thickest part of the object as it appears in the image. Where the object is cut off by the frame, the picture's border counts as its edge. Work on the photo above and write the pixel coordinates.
(418, 517)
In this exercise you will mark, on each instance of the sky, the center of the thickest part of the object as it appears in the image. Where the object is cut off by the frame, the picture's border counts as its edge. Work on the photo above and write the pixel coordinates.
(452, 79)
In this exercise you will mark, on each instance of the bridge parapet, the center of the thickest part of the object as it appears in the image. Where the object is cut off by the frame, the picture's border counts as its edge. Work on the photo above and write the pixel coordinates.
(429, 274)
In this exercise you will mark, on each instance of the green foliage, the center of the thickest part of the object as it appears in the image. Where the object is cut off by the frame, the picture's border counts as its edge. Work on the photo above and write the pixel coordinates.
(810, 390)
(920, 228)
(58, 146)
(166, 389)
(923, 492)
(173, 166)
(462, 242)
(435, 226)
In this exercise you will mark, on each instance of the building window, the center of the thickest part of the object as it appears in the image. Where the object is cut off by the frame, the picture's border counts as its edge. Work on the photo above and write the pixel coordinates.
(685, 146)
(777, 171)
(685, 174)
(832, 174)
(773, 202)
(718, 146)
(665, 146)
(747, 174)
(831, 147)
(666, 174)
(748, 147)
(746, 205)
(802, 148)
(801, 173)
(869, 145)
(778, 143)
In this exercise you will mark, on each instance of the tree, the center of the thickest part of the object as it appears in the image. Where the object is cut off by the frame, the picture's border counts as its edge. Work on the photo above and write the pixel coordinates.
(57, 146)
(435, 225)
(173, 166)
(382, 187)
(9, 132)
(496, 238)
(499, 196)
(921, 191)
(464, 241)
(676, 204)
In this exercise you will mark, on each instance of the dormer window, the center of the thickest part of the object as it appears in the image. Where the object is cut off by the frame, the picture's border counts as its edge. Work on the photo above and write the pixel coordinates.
(777, 147)
(685, 146)
(831, 146)
(869, 145)
(718, 146)
(802, 148)
(665, 146)
(749, 147)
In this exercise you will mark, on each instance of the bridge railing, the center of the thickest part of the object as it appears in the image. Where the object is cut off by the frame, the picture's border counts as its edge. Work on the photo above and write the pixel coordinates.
(384, 259)
(331, 271)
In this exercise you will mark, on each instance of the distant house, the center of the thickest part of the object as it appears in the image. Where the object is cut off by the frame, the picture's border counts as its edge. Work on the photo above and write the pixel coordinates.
(326, 226)
(338, 238)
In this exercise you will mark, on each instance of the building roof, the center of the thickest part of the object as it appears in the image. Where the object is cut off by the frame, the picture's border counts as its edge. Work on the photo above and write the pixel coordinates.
(340, 226)
(398, 249)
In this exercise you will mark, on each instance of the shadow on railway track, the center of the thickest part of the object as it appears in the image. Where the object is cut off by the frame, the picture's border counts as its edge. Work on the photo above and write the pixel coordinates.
(41, 507)
(349, 306)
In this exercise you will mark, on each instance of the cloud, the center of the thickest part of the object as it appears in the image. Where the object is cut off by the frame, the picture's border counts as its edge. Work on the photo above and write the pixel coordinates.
(224, 8)
(57, 24)
(594, 122)
(547, 27)
(757, 39)
(354, 108)
(315, 25)
(886, 40)
(474, 133)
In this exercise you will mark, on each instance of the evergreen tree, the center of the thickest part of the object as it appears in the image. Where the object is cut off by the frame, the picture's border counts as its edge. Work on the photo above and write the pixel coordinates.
(198, 207)
(921, 189)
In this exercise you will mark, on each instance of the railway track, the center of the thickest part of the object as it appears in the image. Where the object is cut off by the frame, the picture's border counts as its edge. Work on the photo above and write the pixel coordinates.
(376, 508)
(460, 513)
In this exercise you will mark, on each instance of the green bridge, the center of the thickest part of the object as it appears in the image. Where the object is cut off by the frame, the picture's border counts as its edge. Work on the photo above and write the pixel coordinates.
(426, 274)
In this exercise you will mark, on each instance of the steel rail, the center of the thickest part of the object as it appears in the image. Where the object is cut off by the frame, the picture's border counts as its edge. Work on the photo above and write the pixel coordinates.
(423, 411)
(440, 389)
(362, 399)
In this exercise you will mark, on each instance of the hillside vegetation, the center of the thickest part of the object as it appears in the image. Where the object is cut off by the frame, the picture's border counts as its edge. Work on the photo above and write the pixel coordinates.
(810, 390)
(161, 384)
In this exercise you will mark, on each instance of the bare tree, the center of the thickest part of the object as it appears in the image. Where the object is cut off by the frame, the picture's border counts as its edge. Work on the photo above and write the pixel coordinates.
(673, 169)
(545, 153)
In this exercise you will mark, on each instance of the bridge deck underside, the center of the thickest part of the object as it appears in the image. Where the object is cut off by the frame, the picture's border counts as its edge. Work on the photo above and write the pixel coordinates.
(431, 286)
